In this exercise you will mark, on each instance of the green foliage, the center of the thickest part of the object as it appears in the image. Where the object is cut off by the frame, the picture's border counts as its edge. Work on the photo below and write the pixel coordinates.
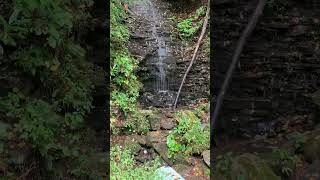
(40, 125)
(119, 33)
(285, 161)
(189, 137)
(201, 11)
(46, 35)
(123, 166)
(243, 167)
(299, 141)
(187, 28)
(138, 122)
(190, 26)
(124, 83)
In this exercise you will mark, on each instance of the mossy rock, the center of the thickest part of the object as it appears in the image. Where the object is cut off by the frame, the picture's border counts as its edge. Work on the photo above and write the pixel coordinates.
(247, 166)
(153, 118)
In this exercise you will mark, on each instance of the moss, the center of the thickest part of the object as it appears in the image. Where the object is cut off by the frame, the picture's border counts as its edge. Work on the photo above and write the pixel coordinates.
(247, 166)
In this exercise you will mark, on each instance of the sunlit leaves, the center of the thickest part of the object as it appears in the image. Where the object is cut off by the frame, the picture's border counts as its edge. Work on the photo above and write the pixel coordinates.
(189, 137)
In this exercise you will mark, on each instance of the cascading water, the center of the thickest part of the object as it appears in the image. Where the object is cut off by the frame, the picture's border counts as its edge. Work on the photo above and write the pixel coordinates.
(161, 63)
(161, 80)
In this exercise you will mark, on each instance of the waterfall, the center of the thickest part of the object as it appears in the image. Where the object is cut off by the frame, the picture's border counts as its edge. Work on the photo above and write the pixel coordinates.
(161, 84)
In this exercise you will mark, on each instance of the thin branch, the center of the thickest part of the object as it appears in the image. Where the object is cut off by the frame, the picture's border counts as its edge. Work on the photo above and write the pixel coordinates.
(246, 33)
(204, 27)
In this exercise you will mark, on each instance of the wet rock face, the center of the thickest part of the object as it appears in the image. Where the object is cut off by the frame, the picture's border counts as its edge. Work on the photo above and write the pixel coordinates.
(152, 37)
(154, 71)
(151, 44)
(277, 68)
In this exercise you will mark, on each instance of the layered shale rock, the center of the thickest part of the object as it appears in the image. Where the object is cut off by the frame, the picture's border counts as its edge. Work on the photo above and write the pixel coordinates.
(279, 65)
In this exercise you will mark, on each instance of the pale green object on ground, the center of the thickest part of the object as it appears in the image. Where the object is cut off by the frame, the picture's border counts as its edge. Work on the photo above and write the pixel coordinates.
(168, 173)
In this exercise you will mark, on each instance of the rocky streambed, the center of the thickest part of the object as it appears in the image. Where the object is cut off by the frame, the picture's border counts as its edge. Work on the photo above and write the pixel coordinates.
(153, 145)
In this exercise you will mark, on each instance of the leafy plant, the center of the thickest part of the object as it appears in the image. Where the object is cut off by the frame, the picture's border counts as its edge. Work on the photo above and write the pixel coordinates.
(124, 82)
(187, 28)
(285, 161)
(138, 123)
(189, 137)
(299, 140)
(123, 166)
(201, 11)
(46, 37)
(190, 26)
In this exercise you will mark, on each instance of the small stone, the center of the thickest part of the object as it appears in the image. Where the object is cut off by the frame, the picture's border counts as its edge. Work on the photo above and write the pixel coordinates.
(168, 173)
(206, 157)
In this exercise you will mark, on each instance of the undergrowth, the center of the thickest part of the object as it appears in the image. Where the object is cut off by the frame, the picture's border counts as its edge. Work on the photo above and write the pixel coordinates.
(190, 136)
(123, 166)
(190, 26)
(125, 86)
(42, 41)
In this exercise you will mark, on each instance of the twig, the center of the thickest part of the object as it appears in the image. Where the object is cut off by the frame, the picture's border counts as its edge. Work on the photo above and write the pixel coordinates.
(204, 27)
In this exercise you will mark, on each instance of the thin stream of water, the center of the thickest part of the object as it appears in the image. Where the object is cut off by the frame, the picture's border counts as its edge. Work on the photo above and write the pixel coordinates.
(161, 64)
(161, 80)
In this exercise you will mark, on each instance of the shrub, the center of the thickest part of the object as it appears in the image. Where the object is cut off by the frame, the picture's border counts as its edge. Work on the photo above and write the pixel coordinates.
(125, 86)
(189, 137)
(45, 36)
(123, 166)
(285, 161)
(190, 26)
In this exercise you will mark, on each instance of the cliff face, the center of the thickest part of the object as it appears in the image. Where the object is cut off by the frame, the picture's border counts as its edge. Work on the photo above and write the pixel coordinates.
(278, 67)
(143, 46)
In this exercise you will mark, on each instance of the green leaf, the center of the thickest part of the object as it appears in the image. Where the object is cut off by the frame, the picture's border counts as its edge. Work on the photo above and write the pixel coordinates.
(14, 16)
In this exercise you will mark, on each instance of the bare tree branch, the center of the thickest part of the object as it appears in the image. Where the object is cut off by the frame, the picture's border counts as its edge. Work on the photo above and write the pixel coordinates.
(204, 27)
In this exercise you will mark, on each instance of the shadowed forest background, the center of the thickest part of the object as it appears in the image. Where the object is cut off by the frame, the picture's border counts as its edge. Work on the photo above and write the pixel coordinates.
(268, 127)
(52, 89)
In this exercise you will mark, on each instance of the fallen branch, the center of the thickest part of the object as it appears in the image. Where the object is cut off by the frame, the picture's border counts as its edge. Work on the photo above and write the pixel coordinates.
(204, 27)
(246, 33)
